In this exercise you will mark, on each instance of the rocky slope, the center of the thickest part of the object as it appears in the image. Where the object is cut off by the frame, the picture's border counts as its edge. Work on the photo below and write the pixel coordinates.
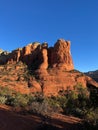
(39, 68)
(93, 75)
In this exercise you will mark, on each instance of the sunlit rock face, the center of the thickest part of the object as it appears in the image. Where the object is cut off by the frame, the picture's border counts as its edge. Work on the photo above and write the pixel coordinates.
(39, 56)
(51, 69)
(60, 55)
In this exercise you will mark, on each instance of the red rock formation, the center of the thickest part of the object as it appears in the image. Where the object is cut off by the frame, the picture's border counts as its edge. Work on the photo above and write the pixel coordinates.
(57, 80)
(25, 54)
(60, 55)
(14, 56)
(49, 81)
(44, 54)
(34, 85)
(29, 53)
(42, 57)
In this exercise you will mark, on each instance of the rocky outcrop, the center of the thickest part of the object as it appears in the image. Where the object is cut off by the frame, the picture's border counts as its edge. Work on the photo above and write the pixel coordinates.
(51, 69)
(44, 56)
(49, 82)
(60, 55)
(58, 80)
(4, 55)
(23, 54)
(29, 53)
(14, 56)
(39, 56)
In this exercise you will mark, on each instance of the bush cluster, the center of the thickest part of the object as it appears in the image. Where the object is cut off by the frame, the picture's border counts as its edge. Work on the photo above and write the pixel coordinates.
(12, 98)
(75, 102)
(78, 102)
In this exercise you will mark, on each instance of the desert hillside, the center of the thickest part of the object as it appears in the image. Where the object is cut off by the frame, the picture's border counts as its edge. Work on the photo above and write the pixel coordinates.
(41, 89)
(93, 74)
(39, 68)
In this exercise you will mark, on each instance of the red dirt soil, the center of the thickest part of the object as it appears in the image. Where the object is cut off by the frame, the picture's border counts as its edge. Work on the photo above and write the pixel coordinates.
(10, 120)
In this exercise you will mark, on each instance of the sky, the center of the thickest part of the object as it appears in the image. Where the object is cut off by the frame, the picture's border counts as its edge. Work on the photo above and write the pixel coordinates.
(26, 21)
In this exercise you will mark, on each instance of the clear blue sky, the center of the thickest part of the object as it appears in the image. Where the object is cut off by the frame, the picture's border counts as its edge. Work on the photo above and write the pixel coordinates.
(25, 21)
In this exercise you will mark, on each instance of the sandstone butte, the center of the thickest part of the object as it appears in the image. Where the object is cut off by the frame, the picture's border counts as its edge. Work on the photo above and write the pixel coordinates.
(39, 68)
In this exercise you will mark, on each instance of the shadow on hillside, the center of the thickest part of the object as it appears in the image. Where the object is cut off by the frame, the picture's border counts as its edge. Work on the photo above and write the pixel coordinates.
(11, 120)
(93, 94)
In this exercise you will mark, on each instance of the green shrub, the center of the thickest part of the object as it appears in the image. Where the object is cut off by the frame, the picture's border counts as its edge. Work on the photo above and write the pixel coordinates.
(92, 116)
(53, 101)
(77, 100)
(4, 91)
(18, 100)
(3, 99)
(74, 102)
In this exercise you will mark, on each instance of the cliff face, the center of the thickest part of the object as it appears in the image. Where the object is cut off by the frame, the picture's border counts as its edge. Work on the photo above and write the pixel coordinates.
(52, 69)
(40, 56)
(60, 55)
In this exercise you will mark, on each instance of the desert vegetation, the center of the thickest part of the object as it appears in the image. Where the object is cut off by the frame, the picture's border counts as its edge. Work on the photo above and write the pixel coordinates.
(77, 102)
